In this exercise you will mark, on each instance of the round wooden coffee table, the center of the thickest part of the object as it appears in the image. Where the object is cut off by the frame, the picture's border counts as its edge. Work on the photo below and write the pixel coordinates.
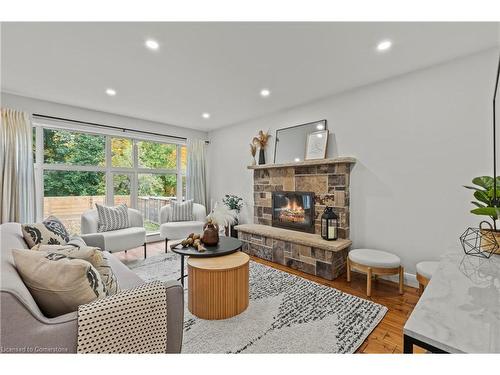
(218, 286)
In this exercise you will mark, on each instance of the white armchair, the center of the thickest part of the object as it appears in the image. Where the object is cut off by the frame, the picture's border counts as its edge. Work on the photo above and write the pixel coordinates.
(116, 240)
(176, 230)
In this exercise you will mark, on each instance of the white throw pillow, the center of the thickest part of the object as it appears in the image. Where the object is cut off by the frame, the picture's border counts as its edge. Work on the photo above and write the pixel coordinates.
(112, 218)
(182, 211)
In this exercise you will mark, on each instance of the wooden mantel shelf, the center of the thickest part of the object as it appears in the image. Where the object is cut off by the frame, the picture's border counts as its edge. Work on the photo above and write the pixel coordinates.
(301, 238)
(339, 160)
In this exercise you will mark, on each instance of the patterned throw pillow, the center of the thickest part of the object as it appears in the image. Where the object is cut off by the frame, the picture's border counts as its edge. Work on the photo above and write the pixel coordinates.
(50, 232)
(112, 218)
(57, 283)
(93, 255)
(182, 211)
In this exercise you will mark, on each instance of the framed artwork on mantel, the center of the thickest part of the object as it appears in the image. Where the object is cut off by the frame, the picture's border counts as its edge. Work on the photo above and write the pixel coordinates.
(316, 145)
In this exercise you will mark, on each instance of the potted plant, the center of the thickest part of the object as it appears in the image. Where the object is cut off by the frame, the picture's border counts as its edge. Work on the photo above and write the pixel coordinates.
(234, 203)
(487, 205)
(261, 141)
(222, 216)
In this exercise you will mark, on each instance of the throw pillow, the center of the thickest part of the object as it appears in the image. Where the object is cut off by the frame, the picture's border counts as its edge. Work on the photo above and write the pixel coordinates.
(93, 255)
(112, 218)
(57, 283)
(182, 211)
(50, 232)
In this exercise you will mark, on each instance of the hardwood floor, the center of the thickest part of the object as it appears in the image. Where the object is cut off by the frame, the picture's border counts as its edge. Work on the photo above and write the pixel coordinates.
(387, 337)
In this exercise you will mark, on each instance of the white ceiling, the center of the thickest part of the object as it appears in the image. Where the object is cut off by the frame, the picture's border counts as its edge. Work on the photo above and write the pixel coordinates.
(218, 67)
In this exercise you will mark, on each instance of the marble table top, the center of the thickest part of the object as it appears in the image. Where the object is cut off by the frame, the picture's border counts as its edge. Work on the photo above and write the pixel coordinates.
(459, 312)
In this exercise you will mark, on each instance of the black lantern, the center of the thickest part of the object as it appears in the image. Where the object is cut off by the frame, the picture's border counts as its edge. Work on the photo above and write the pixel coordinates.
(329, 224)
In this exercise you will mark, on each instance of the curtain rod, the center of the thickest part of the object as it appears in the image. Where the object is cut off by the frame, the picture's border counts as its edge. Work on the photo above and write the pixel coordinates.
(109, 126)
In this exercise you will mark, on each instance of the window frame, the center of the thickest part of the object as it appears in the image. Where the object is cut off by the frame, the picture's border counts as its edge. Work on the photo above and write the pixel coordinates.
(40, 166)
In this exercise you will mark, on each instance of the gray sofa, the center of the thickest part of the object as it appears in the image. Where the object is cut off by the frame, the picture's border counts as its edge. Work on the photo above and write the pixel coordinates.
(24, 327)
(116, 240)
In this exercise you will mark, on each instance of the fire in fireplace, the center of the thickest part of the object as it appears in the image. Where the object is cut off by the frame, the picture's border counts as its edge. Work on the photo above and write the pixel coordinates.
(293, 210)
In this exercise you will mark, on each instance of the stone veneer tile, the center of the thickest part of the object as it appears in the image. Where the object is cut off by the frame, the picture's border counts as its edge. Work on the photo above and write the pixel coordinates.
(301, 266)
(316, 183)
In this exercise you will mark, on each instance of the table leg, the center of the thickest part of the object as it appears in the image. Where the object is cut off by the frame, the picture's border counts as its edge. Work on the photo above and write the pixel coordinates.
(407, 345)
(182, 270)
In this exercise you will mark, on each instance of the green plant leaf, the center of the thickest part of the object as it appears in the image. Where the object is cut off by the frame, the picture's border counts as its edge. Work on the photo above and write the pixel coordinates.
(478, 204)
(486, 211)
(482, 196)
(483, 181)
(472, 188)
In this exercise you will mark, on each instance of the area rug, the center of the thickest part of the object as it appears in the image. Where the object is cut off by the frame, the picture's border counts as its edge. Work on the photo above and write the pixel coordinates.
(286, 314)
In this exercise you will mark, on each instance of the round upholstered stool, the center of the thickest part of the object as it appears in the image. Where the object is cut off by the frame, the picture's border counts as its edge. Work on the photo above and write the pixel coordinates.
(374, 262)
(425, 270)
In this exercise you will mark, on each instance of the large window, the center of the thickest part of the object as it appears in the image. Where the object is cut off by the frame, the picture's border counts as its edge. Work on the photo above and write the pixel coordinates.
(76, 169)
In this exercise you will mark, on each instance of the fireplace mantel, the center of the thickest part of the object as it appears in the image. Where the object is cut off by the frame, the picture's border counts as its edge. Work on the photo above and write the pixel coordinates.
(307, 163)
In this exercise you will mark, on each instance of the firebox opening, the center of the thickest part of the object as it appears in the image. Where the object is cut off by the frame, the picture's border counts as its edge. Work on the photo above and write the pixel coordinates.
(293, 210)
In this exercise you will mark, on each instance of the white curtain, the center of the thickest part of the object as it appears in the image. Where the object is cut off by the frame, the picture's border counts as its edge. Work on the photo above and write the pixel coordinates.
(195, 173)
(17, 188)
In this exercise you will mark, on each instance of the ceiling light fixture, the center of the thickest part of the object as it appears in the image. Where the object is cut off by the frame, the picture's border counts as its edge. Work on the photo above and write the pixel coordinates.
(152, 44)
(111, 92)
(265, 93)
(205, 115)
(384, 45)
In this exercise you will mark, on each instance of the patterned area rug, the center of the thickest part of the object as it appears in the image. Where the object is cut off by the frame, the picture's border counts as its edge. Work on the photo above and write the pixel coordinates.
(286, 314)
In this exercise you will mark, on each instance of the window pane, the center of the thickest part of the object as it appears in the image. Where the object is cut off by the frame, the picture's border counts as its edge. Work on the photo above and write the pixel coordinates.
(67, 194)
(65, 147)
(121, 189)
(183, 159)
(121, 152)
(155, 191)
(157, 155)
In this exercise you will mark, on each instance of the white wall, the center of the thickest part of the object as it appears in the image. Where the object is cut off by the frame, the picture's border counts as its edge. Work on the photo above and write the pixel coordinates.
(47, 108)
(418, 138)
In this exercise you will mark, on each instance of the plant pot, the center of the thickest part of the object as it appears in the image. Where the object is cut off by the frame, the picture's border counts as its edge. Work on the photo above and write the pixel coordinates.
(262, 157)
(487, 241)
(254, 162)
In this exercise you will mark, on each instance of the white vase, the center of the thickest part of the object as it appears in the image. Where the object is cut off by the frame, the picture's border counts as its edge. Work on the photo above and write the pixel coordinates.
(254, 162)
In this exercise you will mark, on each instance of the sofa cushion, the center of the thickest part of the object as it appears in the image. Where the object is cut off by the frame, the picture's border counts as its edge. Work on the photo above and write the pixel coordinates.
(181, 229)
(57, 283)
(112, 218)
(93, 255)
(49, 232)
(121, 239)
(182, 211)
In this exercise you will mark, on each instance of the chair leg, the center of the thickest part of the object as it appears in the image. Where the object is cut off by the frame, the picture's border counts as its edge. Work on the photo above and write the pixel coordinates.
(144, 250)
(401, 279)
(348, 270)
(166, 245)
(369, 282)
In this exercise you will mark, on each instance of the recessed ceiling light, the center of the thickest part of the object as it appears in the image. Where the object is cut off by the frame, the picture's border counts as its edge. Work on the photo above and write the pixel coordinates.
(265, 93)
(205, 115)
(111, 92)
(384, 45)
(296, 160)
(320, 135)
(320, 127)
(152, 44)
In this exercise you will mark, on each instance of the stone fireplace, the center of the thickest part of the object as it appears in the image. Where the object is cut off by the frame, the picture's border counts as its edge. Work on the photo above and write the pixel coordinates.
(289, 200)
(293, 210)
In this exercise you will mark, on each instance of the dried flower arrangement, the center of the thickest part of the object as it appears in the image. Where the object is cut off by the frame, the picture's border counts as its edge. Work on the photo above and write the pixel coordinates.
(262, 139)
(253, 149)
